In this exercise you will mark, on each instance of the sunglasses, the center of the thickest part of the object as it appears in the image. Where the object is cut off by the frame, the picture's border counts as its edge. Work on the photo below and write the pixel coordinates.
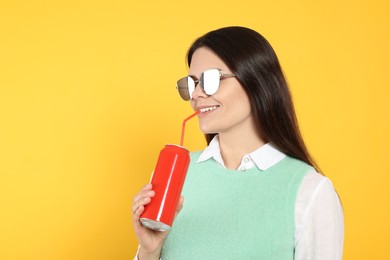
(209, 82)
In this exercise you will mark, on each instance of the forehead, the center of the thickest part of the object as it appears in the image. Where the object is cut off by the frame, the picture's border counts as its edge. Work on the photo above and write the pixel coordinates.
(204, 59)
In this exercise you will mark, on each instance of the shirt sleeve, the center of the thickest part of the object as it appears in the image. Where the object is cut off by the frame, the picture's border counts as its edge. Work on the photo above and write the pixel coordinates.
(319, 220)
(136, 256)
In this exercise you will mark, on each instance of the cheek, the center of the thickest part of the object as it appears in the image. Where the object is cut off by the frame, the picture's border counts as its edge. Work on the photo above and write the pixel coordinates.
(239, 111)
(241, 106)
(238, 98)
(246, 104)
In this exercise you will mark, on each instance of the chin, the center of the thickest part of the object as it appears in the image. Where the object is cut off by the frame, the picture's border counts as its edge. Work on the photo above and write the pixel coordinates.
(207, 130)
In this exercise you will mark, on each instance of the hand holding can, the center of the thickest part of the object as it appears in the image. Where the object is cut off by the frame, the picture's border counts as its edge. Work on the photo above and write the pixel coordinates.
(150, 241)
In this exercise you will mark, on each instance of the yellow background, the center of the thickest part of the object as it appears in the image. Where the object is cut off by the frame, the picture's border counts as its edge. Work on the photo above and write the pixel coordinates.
(87, 100)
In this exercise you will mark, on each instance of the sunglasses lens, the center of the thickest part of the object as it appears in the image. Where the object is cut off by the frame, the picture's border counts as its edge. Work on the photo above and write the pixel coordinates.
(186, 87)
(210, 80)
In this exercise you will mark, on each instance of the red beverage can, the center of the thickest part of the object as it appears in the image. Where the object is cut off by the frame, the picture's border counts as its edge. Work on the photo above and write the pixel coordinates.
(167, 180)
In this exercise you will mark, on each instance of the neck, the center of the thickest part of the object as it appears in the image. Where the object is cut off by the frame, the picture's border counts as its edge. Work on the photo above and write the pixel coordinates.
(234, 146)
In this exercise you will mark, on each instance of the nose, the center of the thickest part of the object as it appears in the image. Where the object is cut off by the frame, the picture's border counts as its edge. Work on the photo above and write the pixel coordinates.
(198, 93)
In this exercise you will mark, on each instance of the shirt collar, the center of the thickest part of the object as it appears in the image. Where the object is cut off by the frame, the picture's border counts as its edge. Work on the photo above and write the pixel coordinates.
(264, 157)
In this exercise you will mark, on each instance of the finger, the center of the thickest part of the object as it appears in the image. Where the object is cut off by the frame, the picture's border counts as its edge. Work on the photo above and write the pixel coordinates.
(139, 203)
(142, 195)
(137, 214)
(136, 219)
(147, 187)
(145, 191)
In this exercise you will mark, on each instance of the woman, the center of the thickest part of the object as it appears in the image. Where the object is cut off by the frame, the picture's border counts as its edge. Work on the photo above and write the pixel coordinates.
(254, 192)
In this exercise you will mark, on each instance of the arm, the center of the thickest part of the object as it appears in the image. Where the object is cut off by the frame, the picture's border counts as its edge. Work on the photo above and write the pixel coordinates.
(319, 219)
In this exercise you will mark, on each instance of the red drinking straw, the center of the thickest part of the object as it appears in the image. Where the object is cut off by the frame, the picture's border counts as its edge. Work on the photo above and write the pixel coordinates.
(183, 127)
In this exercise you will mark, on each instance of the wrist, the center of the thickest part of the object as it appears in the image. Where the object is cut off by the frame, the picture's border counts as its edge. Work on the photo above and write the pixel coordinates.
(147, 255)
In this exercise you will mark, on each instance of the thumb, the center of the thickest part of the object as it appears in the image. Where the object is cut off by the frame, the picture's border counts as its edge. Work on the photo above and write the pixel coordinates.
(179, 205)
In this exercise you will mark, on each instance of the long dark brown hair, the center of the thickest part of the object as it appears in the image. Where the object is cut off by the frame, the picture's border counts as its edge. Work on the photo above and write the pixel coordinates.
(254, 62)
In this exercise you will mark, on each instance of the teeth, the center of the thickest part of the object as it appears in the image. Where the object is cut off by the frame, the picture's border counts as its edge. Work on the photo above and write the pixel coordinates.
(206, 109)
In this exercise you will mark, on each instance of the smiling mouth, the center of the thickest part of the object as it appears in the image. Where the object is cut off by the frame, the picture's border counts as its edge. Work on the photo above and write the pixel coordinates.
(207, 109)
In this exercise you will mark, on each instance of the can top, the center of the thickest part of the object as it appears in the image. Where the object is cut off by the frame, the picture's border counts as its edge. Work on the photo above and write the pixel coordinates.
(182, 147)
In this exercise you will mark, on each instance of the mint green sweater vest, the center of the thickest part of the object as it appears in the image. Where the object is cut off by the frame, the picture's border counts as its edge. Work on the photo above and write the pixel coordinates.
(236, 215)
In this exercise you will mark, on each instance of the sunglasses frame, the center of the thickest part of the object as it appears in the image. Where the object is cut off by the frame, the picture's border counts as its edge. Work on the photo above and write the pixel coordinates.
(188, 96)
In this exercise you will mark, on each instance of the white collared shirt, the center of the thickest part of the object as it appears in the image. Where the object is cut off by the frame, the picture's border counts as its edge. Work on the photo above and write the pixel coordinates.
(319, 218)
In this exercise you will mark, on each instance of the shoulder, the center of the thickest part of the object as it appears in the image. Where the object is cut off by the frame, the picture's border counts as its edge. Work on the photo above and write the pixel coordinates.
(195, 161)
(195, 155)
(315, 185)
(295, 164)
(292, 168)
